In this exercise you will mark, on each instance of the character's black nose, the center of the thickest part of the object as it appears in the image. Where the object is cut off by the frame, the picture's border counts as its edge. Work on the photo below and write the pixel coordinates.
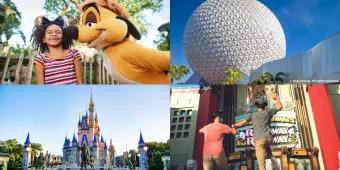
(71, 32)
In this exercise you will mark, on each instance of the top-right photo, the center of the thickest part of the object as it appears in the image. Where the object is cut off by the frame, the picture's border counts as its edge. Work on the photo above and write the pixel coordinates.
(255, 42)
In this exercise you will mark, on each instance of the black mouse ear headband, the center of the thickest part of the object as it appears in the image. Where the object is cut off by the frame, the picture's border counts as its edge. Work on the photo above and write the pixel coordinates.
(45, 22)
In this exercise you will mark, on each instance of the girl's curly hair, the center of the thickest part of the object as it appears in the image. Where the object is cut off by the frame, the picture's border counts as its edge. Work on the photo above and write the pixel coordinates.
(38, 33)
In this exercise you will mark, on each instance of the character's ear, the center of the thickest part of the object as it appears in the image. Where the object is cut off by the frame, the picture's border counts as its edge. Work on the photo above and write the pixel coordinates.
(131, 28)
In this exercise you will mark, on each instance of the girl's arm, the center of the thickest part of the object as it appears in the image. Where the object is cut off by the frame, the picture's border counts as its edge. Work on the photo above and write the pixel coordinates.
(78, 68)
(39, 73)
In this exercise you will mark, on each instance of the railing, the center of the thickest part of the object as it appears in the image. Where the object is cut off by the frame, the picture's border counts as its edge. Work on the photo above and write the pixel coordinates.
(19, 70)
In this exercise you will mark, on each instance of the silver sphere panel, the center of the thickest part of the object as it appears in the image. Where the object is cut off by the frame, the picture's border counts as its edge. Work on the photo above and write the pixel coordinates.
(240, 34)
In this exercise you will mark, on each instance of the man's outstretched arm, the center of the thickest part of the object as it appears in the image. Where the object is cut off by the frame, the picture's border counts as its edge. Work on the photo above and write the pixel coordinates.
(278, 105)
(239, 124)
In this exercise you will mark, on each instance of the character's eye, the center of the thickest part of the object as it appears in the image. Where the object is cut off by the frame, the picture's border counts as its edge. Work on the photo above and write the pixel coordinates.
(90, 24)
(90, 19)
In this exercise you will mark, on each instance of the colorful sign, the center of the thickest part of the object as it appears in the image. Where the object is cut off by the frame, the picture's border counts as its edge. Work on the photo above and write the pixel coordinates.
(283, 128)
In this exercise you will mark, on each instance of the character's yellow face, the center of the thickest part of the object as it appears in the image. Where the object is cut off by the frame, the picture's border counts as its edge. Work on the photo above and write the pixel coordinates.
(89, 18)
(101, 27)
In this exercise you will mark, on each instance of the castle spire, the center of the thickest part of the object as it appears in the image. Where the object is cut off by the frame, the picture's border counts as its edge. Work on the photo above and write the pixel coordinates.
(27, 142)
(91, 110)
(141, 142)
(74, 140)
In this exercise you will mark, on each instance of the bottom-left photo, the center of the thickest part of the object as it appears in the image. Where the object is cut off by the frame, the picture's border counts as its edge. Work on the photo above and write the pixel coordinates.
(84, 127)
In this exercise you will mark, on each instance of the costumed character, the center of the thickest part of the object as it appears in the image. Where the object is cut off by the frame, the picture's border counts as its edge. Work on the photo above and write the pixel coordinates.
(105, 25)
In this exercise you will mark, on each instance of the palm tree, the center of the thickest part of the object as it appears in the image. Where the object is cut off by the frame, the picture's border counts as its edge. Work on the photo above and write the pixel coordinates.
(268, 78)
(10, 21)
(233, 75)
(177, 72)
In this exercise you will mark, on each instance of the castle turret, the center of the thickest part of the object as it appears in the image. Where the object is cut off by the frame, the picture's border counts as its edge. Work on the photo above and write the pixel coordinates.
(74, 140)
(66, 149)
(143, 159)
(73, 151)
(26, 160)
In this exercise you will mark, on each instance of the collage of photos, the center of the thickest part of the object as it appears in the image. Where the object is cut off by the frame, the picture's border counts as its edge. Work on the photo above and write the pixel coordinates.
(96, 85)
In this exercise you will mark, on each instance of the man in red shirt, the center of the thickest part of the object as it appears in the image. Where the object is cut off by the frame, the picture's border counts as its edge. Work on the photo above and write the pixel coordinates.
(213, 151)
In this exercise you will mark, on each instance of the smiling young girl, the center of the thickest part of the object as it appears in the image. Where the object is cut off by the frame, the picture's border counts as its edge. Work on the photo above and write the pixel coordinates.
(56, 63)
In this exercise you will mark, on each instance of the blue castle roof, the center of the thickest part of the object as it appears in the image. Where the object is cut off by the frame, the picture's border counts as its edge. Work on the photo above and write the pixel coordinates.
(66, 142)
(74, 140)
(141, 142)
(27, 142)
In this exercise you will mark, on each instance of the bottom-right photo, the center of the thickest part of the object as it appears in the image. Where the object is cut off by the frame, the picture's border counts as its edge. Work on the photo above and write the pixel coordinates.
(288, 127)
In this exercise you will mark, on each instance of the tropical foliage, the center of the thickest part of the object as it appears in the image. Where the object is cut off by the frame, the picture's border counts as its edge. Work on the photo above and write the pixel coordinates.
(155, 152)
(10, 20)
(177, 72)
(15, 153)
(69, 9)
(268, 78)
(233, 75)
(163, 38)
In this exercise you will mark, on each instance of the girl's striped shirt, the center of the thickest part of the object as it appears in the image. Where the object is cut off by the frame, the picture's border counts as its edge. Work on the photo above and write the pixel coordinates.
(59, 71)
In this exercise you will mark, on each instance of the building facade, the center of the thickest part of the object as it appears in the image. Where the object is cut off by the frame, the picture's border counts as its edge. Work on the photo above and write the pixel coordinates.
(311, 66)
(183, 109)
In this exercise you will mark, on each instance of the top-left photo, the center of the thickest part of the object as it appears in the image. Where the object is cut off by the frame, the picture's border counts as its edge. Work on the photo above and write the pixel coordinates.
(56, 42)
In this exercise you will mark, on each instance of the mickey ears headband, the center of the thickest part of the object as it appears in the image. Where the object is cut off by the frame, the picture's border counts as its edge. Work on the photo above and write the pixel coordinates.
(43, 21)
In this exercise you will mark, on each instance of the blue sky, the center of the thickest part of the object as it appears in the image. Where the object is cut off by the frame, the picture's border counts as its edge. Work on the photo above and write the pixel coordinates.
(29, 11)
(51, 112)
(305, 23)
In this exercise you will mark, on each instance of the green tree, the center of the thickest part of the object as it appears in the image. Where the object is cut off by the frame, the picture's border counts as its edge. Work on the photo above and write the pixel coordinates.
(10, 20)
(155, 152)
(15, 151)
(163, 42)
(37, 160)
(133, 158)
(69, 9)
(268, 78)
(156, 161)
(233, 75)
(177, 72)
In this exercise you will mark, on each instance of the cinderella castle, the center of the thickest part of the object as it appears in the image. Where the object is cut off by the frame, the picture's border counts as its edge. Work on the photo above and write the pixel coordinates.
(88, 136)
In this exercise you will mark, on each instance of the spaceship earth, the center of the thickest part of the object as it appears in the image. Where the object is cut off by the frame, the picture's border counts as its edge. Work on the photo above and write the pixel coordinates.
(238, 34)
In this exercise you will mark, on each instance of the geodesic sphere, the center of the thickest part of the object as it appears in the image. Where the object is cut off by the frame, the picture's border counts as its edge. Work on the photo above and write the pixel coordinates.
(239, 34)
